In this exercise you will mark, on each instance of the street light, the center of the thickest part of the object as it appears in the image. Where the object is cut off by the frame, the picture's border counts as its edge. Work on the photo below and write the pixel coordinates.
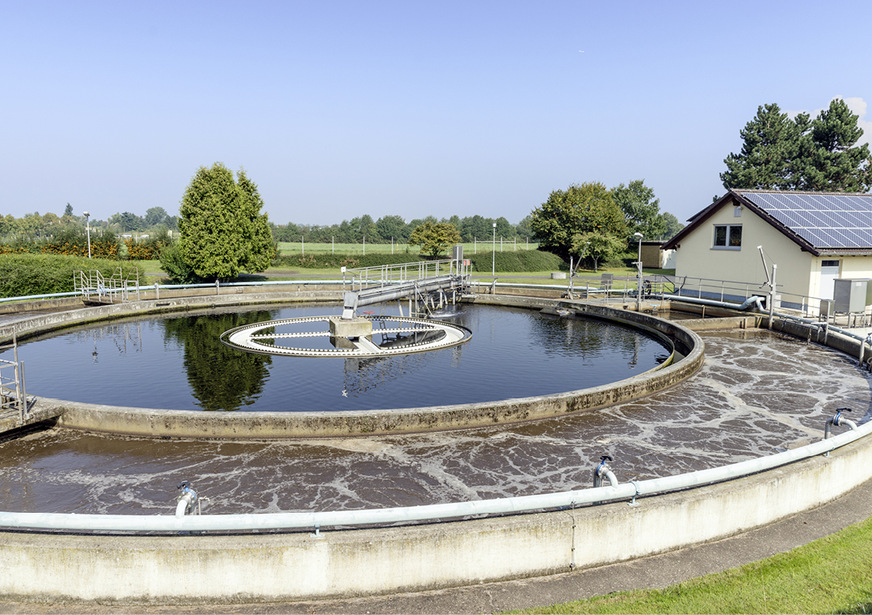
(638, 237)
(88, 230)
(494, 255)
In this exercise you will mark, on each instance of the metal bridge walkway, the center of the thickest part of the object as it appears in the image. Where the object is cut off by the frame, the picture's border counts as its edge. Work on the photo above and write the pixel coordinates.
(424, 282)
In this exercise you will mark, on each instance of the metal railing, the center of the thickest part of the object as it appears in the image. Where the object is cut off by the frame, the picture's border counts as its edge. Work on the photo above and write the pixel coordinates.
(383, 275)
(804, 306)
(13, 393)
(95, 287)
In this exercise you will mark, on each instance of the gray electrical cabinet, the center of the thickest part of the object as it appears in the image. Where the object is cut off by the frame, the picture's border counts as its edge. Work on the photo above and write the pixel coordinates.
(851, 296)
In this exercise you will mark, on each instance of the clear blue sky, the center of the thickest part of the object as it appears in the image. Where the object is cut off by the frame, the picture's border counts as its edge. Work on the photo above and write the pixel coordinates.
(336, 109)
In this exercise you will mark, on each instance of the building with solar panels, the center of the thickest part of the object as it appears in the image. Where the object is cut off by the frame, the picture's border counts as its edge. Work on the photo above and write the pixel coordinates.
(814, 239)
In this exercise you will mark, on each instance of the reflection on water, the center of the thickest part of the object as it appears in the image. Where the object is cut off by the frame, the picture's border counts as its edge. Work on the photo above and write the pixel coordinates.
(756, 395)
(180, 363)
(220, 377)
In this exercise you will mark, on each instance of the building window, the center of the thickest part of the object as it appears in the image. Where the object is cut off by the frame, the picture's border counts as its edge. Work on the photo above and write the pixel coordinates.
(728, 236)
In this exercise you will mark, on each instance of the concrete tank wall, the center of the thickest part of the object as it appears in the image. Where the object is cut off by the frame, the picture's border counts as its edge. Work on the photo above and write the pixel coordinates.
(266, 425)
(184, 569)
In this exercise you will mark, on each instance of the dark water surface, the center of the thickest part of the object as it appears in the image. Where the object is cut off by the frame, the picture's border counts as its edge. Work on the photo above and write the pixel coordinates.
(757, 394)
(179, 363)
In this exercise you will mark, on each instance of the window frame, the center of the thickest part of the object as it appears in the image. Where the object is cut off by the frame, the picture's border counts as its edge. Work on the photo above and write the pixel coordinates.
(729, 234)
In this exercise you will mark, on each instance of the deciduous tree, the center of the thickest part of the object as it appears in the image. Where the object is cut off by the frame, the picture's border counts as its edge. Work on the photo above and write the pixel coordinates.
(392, 228)
(597, 247)
(671, 223)
(434, 237)
(641, 209)
(585, 208)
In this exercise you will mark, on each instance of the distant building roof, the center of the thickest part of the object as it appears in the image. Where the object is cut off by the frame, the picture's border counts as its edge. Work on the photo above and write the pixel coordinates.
(819, 222)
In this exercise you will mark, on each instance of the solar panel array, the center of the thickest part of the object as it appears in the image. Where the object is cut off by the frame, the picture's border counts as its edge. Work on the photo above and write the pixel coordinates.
(824, 220)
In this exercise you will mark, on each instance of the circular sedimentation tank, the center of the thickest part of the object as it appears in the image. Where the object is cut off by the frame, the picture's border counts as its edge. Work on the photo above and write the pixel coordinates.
(522, 365)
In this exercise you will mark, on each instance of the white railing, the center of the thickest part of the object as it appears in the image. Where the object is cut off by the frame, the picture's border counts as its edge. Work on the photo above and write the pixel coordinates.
(384, 275)
(13, 394)
(734, 291)
(94, 286)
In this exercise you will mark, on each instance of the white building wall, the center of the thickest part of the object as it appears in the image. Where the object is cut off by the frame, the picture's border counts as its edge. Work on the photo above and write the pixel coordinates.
(698, 258)
(854, 266)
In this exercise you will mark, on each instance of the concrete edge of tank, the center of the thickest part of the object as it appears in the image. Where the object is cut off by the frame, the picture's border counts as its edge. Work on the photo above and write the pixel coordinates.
(264, 425)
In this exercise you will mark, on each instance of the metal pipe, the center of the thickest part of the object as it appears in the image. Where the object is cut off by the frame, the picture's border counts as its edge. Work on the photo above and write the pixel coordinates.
(603, 470)
(838, 420)
(752, 301)
(826, 327)
(638, 237)
(187, 502)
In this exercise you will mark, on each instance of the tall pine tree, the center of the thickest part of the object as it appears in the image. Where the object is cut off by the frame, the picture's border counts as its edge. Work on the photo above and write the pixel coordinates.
(770, 143)
(834, 163)
(802, 154)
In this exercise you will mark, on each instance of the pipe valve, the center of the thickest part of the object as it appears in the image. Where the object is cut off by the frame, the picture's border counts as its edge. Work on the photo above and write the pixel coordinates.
(188, 501)
(603, 470)
(839, 420)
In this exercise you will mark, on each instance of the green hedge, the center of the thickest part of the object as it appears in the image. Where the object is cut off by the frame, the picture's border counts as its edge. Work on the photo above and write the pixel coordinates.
(522, 260)
(40, 274)
(327, 261)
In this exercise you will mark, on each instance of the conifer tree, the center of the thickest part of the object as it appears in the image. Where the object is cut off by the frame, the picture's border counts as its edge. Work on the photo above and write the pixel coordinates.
(819, 155)
(222, 229)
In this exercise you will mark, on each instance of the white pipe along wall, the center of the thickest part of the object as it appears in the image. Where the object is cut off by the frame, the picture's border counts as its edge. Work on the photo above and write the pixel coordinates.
(196, 567)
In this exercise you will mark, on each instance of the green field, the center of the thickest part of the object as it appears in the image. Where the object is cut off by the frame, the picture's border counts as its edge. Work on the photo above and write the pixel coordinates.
(397, 248)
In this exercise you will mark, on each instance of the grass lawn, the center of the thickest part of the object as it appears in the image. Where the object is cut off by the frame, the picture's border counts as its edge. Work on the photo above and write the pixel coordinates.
(151, 267)
(830, 575)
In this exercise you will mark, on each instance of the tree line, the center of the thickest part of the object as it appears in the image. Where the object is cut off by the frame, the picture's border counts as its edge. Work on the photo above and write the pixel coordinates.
(35, 226)
(394, 228)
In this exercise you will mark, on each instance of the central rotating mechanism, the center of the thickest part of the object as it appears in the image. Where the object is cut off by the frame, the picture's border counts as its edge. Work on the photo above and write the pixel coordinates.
(333, 336)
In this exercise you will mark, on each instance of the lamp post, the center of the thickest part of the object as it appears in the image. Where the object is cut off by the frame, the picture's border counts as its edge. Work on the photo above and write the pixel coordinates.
(494, 253)
(638, 237)
(88, 231)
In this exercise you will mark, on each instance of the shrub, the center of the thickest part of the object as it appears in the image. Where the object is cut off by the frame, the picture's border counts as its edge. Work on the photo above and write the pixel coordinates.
(174, 265)
(522, 260)
(147, 249)
(103, 245)
(38, 274)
